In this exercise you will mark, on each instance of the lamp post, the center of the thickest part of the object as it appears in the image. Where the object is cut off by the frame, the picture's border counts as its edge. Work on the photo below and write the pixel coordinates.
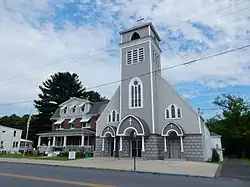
(134, 138)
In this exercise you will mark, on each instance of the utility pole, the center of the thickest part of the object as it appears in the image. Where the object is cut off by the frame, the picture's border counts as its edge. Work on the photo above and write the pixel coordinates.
(27, 133)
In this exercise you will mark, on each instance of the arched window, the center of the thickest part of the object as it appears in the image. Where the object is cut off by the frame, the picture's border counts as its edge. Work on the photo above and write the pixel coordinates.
(172, 111)
(135, 93)
(117, 117)
(135, 36)
(179, 113)
(109, 119)
(167, 113)
(113, 116)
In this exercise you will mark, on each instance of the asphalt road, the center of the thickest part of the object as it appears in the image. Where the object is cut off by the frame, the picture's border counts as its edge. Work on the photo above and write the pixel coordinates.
(235, 168)
(15, 175)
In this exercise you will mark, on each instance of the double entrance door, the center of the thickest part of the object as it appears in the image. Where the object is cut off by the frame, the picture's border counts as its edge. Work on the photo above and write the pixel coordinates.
(135, 148)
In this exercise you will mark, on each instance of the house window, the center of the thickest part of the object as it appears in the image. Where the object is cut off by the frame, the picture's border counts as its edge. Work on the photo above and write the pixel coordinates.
(179, 113)
(172, 111)
(113, 116)
(72, 125)
(109, 120)
(129, 57)
(136, 93)
(74, 109)
(141, 54)
(83, 108)
(135, 56)
(117, 117)
(14, 144)
(1, 145)
(65, 110)
(14, 134)
(167, 113)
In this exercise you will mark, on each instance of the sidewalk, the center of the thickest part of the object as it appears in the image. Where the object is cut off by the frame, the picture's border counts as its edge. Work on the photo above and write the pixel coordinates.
(185, 168)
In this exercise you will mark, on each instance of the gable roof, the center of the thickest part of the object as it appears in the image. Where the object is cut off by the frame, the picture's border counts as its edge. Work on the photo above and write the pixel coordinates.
(10, 127)
(72, 99)
(96, 108)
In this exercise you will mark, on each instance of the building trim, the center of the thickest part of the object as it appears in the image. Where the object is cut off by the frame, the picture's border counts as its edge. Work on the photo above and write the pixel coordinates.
(130, 115)
(172, 129)
(152, 87)
(121, 83)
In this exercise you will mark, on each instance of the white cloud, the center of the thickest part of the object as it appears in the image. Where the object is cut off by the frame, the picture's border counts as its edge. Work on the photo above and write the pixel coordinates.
(29, 55)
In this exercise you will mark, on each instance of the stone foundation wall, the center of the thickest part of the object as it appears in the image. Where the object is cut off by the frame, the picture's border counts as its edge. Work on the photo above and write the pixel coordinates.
(98, 147)
(193, 147)
(154, 147)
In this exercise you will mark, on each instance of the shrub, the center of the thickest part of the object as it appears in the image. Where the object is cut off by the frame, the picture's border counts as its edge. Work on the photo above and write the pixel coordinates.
(215, 156)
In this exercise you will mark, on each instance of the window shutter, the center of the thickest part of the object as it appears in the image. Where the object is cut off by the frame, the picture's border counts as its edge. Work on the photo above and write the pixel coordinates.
(135, 56)
(129, 57)
(141, 55)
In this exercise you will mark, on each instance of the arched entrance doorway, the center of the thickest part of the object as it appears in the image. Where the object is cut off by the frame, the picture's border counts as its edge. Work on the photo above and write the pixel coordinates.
(174, 146)
(173, 141)
(109, 145)
(132, 131)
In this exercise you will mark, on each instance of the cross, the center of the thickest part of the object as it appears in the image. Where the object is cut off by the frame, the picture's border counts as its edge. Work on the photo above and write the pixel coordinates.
(140, 20)
(130, 121)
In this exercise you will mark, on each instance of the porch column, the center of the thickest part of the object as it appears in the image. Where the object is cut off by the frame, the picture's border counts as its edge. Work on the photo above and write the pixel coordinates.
(181, 144)
(54, 141)
(64, 141)
(165, 144)
(114, 143)
(120, 143)
(39, 141)
(49, 141)
(143, 147)
(103, 139)
(82, 142)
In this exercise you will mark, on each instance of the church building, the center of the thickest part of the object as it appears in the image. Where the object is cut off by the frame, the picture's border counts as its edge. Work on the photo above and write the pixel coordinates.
(146, 117)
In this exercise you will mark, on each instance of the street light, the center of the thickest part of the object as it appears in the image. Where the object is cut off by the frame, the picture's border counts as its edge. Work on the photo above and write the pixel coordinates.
(134, 138)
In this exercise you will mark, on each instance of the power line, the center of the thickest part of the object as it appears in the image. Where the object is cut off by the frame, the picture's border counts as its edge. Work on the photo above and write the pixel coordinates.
(163, 69)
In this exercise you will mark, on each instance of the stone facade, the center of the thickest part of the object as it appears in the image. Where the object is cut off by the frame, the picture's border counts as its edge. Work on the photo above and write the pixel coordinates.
(193, 147)
(154, 147)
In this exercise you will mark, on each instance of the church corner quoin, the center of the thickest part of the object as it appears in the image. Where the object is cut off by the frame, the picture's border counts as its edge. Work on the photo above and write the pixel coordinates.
(166, 126)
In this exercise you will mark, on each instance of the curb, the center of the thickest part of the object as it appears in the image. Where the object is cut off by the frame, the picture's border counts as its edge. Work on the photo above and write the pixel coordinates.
(112, 170)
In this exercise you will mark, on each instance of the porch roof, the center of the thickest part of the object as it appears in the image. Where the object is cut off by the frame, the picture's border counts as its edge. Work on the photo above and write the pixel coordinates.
(67, 133)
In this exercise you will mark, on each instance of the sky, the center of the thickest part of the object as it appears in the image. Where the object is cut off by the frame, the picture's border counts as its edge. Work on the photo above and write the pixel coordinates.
(41, 37)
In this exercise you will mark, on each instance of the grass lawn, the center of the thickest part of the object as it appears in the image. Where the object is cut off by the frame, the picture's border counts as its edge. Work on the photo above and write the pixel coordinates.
(14, 156)
(59, 158)
(246, 161)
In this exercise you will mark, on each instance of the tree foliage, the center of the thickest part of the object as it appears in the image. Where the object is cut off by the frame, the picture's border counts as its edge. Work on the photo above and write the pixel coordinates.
(57, 89)
(233, 123)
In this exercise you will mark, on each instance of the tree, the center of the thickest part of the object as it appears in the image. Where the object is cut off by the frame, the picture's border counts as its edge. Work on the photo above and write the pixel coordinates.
(94, 96)
(234, 121)
(56, 90)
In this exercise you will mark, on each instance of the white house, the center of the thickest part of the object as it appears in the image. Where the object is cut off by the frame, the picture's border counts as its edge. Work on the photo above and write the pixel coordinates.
(10, 139)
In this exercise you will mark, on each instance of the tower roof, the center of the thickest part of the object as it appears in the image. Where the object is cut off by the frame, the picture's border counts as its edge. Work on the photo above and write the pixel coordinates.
(141, 26)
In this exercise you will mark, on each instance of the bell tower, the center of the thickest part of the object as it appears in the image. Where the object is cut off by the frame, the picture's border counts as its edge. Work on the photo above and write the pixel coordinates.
(140, 64)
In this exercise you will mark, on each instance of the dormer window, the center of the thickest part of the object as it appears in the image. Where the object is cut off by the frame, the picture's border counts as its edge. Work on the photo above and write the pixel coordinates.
(83, 108)
(74, 109)
(65, 110)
